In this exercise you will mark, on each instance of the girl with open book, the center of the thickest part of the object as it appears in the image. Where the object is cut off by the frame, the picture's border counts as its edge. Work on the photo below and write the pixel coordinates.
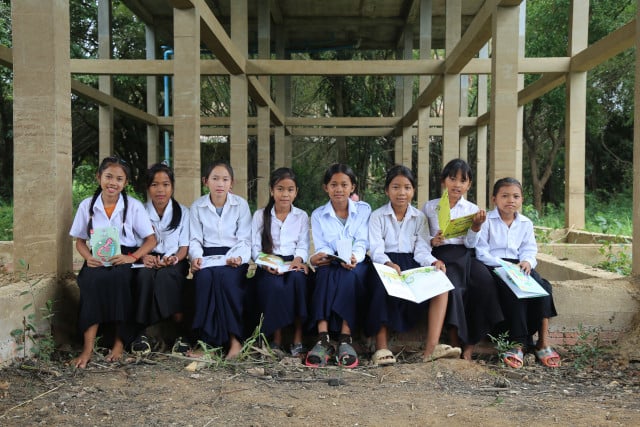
(398, 238)
(508, 235)
(473, 308)
(108, 228)
(282, 229)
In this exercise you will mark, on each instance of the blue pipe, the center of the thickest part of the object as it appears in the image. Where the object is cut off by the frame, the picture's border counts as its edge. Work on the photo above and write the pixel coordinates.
(166, 55)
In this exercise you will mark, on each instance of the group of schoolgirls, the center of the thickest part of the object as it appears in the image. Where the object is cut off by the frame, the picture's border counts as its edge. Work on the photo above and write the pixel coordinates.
(217, 238)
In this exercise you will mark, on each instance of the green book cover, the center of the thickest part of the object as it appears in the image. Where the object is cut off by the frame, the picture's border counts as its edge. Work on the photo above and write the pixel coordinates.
(105, 243)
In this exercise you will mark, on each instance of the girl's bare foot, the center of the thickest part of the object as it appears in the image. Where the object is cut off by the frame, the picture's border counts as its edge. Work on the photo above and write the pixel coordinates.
(234, 348)
(115, 354)
(467, 352)
(81, 361)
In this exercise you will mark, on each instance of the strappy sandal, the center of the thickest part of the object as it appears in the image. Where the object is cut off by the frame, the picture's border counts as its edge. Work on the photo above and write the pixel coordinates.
(319, 355)
(383, 357)
(180, 347)
(548, 357)
(347, 356)
(140, 346)
(513, 358)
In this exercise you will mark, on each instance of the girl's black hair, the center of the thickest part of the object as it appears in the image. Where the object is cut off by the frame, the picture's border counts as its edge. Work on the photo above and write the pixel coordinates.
(177, 211)
(216, 163)
(276, 176)
(106, 162)
(454, 166)
(399, 170)
(340, 168)
(504, 182)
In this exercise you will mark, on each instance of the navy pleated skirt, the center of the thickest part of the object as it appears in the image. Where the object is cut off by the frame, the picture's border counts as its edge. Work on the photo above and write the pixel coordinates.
(280, 298)
(340, 294)
(158, 292)
(397, 314)
(473, 306)
(219, 293)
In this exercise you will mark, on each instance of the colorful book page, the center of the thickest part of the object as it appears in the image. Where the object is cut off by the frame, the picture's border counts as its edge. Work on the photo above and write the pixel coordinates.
(105, 243)
(416, 284)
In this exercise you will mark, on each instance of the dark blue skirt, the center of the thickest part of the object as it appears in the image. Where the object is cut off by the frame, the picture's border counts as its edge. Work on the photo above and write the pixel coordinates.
(473, 306)
(397, 314)
(219, 295)
(339, 294)
(158, 292)
(281, 298)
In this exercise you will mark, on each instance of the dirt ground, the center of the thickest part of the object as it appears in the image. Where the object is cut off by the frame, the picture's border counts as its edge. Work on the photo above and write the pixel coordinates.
(158, 390)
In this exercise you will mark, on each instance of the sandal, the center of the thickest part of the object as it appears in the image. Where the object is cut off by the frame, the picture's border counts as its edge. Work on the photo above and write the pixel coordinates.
(297, 350)
(140, 346)
(513, 358)
(320, 353)
(383, 357)
(548, 357)
(443, 351)
(347, 356)
(180, 347)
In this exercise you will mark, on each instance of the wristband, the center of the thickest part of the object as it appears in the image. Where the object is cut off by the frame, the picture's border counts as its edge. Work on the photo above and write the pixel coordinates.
(135, 258)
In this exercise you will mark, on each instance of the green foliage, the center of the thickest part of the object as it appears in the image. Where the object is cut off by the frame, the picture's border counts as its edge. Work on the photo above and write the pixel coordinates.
(588, 349)
(6, 222)
(615, 261)
(503, 344)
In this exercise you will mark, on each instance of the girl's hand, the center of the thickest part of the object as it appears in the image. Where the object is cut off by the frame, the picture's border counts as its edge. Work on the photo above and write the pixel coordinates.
(393, 265)
(298, 265)
(168, 260)
(94, 262)
(352, 265)
(150, 261)
(319, 259)
(437, 240)
(195, 264)
(234, 261)
(122, 259)
(439, 265)
(525, 267)
(478, 219)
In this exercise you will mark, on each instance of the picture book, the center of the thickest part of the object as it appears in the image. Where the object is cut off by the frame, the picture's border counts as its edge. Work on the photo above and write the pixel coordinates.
(273, 261)
(339, 259)
(521, 284)
(416, 284)
(213, 261)
(105, 243)
(452, 227)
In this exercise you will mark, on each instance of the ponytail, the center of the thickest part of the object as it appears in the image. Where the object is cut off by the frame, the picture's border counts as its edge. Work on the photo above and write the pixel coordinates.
(267, 239)
(177, 215)
(124, 214)
(93, 202)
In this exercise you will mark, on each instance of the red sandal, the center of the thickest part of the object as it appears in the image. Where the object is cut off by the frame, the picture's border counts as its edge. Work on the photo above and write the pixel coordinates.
(513, 358)
(548, 357)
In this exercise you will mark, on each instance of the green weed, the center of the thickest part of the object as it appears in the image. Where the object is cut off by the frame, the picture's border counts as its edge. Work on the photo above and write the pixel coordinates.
(588, 349)
(503, 344)
(615, 261)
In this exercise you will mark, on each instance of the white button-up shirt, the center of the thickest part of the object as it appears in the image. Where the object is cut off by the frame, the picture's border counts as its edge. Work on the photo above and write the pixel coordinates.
(290, 237)
(169, 241)
(498, 241)
(327, 229)
(386, 234)
(231, 229)
(462, 208)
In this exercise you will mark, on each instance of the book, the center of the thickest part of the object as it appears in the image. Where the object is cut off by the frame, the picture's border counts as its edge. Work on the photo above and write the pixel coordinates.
(213, 261)
(105, 243)
(338, 259)
(452, 227)
(416, 284)
(521, 284)
(273, 261)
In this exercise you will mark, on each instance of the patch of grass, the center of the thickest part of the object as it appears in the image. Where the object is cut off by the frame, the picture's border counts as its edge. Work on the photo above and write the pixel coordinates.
(6, 221)
(615, 261)
(503, 344)
(588, 349)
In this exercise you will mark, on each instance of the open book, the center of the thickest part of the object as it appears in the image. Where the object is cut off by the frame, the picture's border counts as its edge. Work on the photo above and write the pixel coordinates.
(105, 243)
(452, 227)
(521, 284)
(416, 284)
(273, 261)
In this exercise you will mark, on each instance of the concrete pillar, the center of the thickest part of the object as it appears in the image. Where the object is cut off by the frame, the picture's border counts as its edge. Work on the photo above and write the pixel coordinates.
(404, 100)
(504, 93)
(451, 88)
(522, 27)
(481, 138)
(42, 135)
(264, 134)
(239, 101)
(105, 112)
(152, 98)
(186, 104)
(423, 173)
(575, 121)
(636, 157)
(282, 145)
(463, 141)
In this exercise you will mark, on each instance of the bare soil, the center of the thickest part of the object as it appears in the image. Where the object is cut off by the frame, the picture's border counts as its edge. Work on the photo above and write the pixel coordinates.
(158, 390)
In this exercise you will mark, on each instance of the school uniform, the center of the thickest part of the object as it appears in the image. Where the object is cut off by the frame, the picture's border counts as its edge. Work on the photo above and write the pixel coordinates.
(473, 306)
(404, 243)
(219, 291)
(105, 292)
(281, 298)
(515, 243)
(158, 291)
(339, 294)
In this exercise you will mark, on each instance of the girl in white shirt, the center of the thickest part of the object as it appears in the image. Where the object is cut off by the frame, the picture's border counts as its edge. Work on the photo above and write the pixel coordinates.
(398, 238)
(105, 282)
(473, 308)
(339, 291)
(219, 249)
(159, 286)
(283, 230)
(509, 235)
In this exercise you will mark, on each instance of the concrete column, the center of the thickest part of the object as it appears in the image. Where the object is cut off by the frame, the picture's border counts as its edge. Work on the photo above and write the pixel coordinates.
(42, 135)
(105, 113)
(522, 27)
(152, 98)
(423, 173)
(283, 143)
(186, 104)
(264, 134)
(239, 100)
(463, 141)
(575, 122)
(504, 93)
(636, 157)
(481, 138)
(404, 100)
(451, 88)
